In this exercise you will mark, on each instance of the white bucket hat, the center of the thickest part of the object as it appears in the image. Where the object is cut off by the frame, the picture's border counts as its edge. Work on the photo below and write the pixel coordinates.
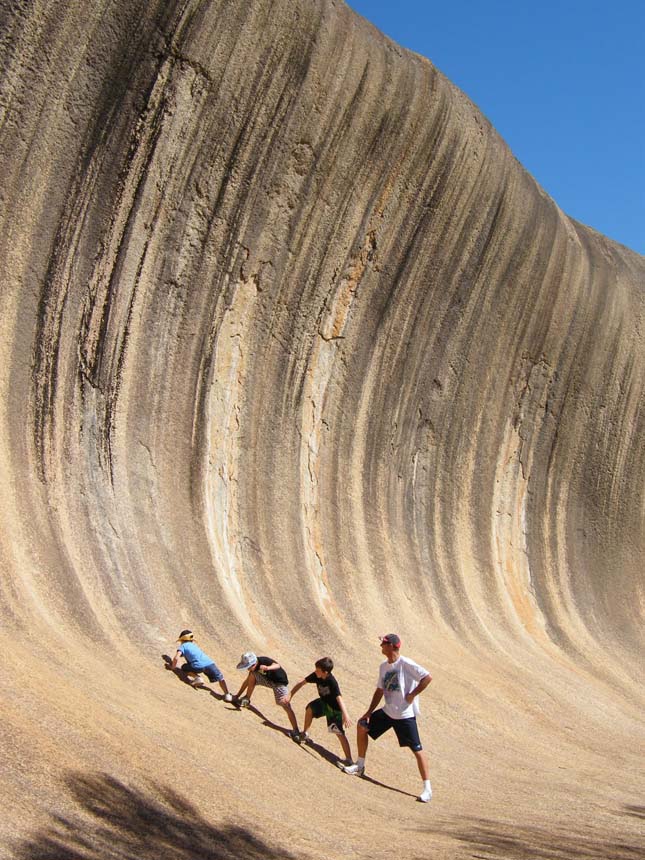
(247, 661)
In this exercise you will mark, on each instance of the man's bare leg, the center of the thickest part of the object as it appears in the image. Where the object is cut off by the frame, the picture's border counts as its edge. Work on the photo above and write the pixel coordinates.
(422, 763)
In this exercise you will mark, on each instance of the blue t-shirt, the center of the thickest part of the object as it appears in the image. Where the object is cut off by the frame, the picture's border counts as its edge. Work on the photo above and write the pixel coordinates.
(195, 656)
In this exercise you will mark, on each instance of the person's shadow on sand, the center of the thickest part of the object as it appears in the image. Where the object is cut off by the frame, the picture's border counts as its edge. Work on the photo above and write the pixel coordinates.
(183, 677)
(232, 706)
(268, 723)
(387, 787)
(312, 748)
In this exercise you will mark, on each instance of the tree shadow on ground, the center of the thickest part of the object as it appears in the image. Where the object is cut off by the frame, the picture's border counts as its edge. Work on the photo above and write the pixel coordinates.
(490, 840)
(118, 822)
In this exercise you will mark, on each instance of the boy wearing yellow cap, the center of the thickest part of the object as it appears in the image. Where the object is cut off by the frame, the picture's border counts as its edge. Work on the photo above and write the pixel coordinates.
(197, 663)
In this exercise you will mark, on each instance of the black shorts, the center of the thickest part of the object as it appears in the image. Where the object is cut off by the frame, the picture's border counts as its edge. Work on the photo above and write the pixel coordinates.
(320, 708)
(406, 729)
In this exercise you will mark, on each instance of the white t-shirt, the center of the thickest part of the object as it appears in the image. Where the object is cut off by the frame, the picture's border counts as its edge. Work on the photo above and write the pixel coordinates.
(397, 680)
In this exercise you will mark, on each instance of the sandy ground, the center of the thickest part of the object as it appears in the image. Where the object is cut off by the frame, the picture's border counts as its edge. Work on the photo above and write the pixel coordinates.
(120, 763)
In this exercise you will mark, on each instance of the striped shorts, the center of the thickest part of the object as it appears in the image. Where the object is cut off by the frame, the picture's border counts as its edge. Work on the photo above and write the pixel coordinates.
(279, 691)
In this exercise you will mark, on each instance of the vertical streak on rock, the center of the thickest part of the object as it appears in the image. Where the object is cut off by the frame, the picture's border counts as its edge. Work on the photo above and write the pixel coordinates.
(285, 315)
(224, 406)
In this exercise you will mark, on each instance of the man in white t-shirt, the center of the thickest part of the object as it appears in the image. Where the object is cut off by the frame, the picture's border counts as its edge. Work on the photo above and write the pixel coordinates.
(400, 681)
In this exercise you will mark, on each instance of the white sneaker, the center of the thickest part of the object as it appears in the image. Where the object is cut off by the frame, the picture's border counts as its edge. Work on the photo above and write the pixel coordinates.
(244, 702)
(305, 737)
(426, 795)
(228, 697)
(353, 769)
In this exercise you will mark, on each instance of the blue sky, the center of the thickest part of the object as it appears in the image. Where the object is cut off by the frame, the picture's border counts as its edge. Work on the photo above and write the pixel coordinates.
(562, 82)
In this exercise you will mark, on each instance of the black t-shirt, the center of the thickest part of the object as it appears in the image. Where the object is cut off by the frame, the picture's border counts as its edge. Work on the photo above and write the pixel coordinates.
(276, 676)
(328, 688)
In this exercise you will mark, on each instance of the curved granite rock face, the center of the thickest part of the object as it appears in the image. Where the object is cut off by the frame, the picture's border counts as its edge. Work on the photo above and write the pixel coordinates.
(294, 352)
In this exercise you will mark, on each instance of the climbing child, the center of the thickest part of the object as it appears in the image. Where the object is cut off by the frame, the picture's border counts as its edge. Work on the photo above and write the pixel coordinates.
(329, 704)
(198, 663)
(266, 672)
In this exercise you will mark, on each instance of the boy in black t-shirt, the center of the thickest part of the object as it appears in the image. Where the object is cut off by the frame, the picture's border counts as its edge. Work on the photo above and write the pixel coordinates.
(329, 704)
(267, 672)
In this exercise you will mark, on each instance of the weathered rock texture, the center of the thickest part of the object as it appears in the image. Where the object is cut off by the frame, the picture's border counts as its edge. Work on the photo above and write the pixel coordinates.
(295, 352)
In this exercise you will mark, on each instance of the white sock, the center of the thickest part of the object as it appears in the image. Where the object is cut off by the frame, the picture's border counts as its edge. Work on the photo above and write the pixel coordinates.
(360, 762)
(427, 786)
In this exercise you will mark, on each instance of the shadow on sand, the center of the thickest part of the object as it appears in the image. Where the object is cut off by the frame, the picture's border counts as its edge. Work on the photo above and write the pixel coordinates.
(311, 748)
(183, 677)
(154, 823)
(384, 785)
(282, 730)
(490, 840)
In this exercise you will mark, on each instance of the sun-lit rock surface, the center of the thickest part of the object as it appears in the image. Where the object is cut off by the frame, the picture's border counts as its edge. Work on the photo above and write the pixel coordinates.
(295, 352)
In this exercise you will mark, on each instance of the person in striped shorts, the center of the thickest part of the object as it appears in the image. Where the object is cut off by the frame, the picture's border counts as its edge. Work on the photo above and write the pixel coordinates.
(266, 672)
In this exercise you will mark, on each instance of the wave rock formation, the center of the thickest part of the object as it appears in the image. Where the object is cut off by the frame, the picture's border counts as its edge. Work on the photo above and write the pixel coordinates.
(295, 352)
